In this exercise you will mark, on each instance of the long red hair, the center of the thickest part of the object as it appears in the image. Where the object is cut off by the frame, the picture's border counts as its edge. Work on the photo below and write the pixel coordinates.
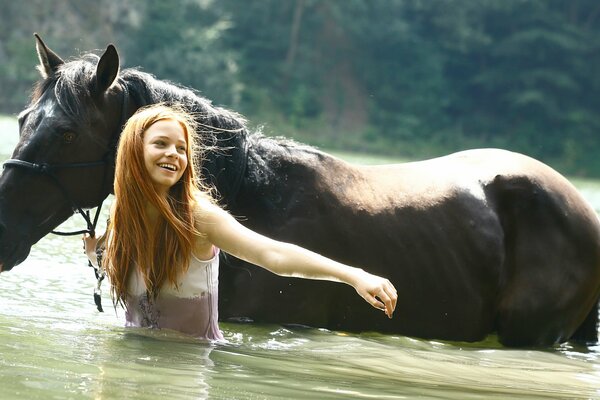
(161, 249)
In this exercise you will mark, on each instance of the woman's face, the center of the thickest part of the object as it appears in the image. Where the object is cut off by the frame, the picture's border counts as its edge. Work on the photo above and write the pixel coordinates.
(165, 153)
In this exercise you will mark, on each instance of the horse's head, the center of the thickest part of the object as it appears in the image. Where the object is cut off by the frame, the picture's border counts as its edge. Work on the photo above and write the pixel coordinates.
(64, 158)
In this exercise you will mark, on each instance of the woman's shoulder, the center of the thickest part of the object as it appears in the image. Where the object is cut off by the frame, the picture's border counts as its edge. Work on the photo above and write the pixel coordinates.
(206, 210)
(204, 203)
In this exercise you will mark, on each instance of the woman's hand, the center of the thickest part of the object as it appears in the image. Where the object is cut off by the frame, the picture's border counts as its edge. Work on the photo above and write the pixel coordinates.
(377, 291)
(89, 246)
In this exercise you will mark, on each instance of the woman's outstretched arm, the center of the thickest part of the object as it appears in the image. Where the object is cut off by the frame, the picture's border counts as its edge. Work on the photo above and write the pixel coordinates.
(287, 259)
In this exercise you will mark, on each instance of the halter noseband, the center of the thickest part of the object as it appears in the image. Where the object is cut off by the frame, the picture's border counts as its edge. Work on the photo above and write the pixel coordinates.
(48, 170)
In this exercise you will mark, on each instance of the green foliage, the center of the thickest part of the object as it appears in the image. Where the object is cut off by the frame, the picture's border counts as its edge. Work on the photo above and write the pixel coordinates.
(184, 44)
(412, 77)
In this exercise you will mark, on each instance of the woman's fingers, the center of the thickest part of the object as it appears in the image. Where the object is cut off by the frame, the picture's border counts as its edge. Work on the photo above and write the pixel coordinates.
(372, 300)
(381, 301)
(392, 293)
(89, 243)
(389, 307)
(379, 292)
(388, 295)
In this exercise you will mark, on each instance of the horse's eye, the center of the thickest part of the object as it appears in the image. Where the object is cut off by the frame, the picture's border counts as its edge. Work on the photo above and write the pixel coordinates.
(68, 137)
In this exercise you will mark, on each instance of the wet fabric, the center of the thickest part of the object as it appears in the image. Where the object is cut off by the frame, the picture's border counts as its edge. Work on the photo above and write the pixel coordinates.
(191, 308)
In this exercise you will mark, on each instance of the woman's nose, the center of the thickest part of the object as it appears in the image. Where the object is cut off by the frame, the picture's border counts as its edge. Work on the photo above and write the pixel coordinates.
(172, 152)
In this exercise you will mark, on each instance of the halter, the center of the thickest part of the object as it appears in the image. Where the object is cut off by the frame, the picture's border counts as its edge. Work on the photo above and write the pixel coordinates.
(49, 170)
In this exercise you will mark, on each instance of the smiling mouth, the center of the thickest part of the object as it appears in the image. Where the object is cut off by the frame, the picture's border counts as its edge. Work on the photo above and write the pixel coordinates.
(169, 167)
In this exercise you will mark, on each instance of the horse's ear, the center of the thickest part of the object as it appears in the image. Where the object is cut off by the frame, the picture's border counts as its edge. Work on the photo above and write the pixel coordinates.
(49, 61)
(107, 69)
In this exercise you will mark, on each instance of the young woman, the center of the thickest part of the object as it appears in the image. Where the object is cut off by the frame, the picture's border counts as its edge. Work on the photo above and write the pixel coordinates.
(166, 231)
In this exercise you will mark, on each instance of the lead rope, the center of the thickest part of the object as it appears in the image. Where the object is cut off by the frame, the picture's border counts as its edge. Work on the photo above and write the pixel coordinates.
(100, 274)
(99, 271)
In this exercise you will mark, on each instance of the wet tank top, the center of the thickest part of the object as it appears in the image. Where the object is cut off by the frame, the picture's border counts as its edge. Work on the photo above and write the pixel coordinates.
(191, 308)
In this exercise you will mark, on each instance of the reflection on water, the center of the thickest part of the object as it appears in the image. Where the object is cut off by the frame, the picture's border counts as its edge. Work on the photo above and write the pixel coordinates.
(54, 344)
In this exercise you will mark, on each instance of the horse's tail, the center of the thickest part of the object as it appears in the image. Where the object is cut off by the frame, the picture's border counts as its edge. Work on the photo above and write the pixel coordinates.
(587, 333)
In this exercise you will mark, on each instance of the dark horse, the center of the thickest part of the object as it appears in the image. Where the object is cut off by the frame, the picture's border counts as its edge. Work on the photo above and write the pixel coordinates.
(476, 242)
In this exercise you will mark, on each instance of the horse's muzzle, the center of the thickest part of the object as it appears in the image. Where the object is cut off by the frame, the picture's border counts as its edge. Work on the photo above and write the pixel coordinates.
(11, 256)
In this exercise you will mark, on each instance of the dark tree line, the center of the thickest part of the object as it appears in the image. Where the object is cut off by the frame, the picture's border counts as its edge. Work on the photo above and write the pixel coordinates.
(408, 77)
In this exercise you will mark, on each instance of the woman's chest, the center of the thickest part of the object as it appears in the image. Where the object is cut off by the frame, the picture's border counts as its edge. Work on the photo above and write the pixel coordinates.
(200, 279)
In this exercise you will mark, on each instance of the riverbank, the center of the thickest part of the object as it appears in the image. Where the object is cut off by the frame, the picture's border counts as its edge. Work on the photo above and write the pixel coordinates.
(9, 136)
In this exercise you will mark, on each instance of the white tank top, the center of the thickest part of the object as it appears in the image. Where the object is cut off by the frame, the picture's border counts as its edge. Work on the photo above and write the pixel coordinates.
(191, 308)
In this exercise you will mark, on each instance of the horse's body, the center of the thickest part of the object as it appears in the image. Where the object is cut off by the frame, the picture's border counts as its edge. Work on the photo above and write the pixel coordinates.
(477, 242)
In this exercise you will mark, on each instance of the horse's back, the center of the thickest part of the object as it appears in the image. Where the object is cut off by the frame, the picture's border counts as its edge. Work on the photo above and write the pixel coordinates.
(508, 232)
(466, 168)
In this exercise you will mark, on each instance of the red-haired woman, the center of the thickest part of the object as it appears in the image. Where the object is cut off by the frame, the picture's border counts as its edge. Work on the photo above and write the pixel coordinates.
(166, 230)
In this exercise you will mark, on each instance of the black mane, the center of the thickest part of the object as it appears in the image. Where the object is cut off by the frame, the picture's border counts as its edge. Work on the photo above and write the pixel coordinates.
(223, 132)
(72, 86)
(146, 89)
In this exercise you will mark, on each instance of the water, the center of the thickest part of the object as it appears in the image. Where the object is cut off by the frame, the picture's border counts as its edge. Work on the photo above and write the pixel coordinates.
(55, 345)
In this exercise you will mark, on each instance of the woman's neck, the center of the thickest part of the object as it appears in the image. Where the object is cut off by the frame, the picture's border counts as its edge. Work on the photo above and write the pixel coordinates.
(152, 213)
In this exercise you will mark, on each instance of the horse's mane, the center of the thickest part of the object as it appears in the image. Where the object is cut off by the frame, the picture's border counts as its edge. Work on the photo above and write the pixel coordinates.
(223, 132)
(147, 89)
(73, 83)
(72, 86)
